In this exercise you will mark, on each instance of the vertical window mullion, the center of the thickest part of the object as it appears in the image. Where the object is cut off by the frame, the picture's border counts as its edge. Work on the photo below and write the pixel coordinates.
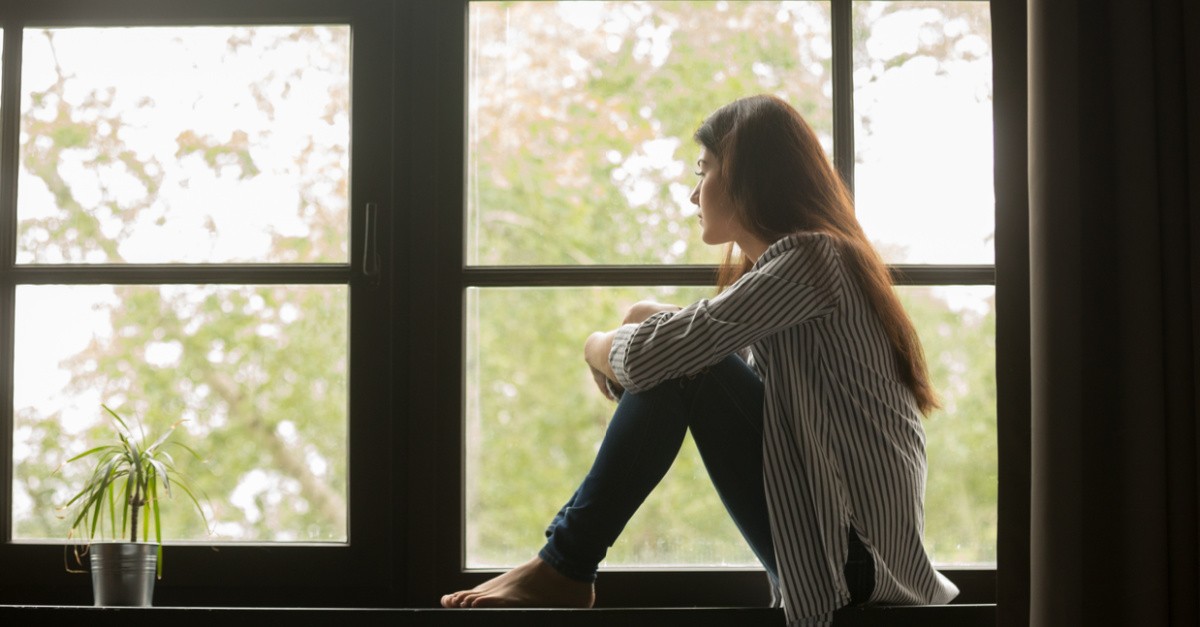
(841, 25)
(10, 125)
(10, 87)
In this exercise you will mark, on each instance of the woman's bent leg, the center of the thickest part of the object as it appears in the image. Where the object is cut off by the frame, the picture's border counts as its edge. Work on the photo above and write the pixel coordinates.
(725, 415)
(641, 443)
(642, 440)
(723, 406)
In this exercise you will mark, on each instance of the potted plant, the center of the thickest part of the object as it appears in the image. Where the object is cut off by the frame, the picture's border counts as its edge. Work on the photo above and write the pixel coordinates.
(122, 489)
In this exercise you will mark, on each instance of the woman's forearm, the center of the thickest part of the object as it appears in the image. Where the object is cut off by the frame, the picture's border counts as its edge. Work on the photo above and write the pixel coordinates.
(596, 350)
(599, 344)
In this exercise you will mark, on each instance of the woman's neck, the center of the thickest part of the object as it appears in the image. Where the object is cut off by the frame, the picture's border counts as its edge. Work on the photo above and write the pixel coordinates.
(752, 247)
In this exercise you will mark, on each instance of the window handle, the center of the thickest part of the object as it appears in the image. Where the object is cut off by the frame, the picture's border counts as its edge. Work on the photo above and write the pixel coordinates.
(370, 266)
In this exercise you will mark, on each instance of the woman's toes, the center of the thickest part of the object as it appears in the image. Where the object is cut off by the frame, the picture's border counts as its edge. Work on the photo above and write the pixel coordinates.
(453, 600)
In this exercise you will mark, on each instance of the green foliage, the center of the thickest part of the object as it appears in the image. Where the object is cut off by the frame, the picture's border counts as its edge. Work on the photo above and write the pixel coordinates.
(960, 496)
(564, 117)
(551, 193)
(259, 371)
(535, 420)
(581, 105)
(234, 152)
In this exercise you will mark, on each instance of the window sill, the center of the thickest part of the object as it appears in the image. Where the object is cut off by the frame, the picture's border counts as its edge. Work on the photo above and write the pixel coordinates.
(925, 616)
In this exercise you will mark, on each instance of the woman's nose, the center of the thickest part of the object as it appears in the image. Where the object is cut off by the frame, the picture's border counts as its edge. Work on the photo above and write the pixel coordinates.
(696, 195)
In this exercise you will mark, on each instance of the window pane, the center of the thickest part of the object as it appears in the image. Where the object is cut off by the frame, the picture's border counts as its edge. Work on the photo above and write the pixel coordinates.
(259, 373)
(957, 325)
(923, 103)
(193, 144)
(581, 116)
(534, 422)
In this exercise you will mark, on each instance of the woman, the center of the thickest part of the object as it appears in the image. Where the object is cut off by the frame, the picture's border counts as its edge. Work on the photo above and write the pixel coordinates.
(814, 441)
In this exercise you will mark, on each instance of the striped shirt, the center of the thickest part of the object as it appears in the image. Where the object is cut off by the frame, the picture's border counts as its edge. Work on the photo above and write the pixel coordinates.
(843, 443)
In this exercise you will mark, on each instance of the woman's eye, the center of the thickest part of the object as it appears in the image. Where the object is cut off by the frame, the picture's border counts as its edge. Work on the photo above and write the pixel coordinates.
(699, 174)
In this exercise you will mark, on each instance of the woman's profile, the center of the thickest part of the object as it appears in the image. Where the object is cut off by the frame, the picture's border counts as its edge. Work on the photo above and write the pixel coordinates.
(802, 381)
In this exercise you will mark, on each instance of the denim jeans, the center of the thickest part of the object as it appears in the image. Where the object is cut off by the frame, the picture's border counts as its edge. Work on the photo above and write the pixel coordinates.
(723, 408)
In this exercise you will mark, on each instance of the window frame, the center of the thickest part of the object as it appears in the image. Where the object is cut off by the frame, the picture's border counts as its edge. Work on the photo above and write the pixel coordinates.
(406, 541)
(239, 573)
(621, 586)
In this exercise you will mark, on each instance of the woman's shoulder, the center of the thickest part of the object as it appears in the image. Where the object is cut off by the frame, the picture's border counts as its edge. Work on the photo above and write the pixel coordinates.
(806, 258)
(804, 251)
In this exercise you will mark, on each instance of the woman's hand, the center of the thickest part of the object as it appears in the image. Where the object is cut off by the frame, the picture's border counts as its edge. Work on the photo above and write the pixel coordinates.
(602, 384)
(599, 345)
(595, 352)
(644, 309)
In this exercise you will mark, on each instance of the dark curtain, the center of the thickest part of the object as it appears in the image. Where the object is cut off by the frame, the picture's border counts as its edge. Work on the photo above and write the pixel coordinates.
(1114, 225)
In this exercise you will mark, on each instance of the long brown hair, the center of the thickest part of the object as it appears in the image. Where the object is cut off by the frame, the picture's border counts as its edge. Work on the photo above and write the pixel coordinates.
(781, 182)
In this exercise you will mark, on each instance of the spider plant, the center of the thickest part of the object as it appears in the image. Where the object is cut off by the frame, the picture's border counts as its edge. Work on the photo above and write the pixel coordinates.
(127, 477)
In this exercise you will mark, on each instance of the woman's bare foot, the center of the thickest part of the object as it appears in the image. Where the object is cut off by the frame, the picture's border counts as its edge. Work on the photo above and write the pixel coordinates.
(532, 584)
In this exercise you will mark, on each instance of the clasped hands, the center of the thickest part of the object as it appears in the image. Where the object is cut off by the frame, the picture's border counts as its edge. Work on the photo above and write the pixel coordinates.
(599, 345)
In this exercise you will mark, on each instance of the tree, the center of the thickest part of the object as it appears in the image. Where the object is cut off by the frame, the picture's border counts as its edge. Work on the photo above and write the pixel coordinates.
(580, 144)
(580, 136)
(258, 371)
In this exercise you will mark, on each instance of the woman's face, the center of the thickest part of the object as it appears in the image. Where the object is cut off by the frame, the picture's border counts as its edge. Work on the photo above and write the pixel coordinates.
(711, 194)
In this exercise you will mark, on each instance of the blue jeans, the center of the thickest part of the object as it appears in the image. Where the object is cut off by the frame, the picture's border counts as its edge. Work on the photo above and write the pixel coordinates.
(723, 407)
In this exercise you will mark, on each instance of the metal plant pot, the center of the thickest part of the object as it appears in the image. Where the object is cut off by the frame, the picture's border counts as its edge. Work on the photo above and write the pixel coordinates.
(123, 573)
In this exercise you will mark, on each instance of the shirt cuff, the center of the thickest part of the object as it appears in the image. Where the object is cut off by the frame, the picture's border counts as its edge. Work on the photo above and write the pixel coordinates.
(616, 356)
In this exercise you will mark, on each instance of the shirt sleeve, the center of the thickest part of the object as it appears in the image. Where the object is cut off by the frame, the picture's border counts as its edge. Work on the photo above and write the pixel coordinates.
(670, 345)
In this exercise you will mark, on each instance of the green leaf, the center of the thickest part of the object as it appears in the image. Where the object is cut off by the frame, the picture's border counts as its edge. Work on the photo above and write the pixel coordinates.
(91, 452)
(124, 427)
(112, 509)
(125, 495)
(163, 438)
(188, 491)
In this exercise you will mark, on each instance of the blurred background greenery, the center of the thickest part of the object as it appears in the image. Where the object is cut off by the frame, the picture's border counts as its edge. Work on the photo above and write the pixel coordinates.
(580, 117)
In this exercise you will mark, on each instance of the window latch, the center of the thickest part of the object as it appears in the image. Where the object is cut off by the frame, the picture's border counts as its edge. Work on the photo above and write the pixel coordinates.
(370, 265)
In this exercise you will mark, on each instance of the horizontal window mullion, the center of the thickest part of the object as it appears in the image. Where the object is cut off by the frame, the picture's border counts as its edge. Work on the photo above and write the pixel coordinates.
(179, 274)
(911, 274)
(567, 276)
(178, 13)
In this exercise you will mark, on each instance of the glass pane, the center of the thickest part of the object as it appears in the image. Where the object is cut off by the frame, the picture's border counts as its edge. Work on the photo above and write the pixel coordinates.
(259, 374)
(534, 421)
(581, 117)
(923, 105)
(957, 325)
(184, 144)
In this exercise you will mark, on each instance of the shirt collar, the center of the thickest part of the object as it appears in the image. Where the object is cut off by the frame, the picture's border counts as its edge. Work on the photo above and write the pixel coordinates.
(784, 244)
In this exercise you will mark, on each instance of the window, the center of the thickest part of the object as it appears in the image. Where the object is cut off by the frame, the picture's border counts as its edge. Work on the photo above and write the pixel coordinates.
(579, 146)
(242, 157)
(185, 232)
(924, 194)
(181, 220)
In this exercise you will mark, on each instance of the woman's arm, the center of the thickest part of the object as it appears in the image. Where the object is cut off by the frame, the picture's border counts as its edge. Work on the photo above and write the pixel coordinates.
(599, 344)
(793, 288)
(644, 309)
(596, 350)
